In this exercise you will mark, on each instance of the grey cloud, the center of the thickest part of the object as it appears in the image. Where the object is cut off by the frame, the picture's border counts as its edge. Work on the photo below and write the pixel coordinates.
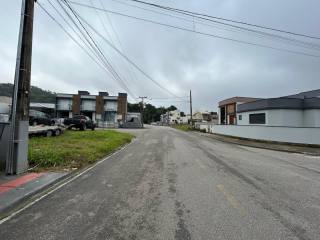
(214, 69)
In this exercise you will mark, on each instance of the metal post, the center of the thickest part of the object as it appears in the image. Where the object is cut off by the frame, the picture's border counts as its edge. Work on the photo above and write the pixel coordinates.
(191, 118)
(141, 109)
(17, 161)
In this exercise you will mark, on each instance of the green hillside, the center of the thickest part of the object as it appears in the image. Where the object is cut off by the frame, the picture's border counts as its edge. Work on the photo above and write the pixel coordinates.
(37, 94)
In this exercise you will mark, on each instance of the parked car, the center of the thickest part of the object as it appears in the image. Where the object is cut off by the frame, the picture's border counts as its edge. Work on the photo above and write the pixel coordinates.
(81, 122)
(37, 117)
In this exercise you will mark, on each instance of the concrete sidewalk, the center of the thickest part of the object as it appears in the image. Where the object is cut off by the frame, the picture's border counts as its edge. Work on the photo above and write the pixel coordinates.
(14, 190)
(265, 144)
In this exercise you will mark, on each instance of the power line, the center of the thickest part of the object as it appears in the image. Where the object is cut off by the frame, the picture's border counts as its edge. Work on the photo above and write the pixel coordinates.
(110, 67)
(102, 23)
(201, 33)
(159, 98)
(228, 20)
(72, 38)
(295, 42)
(111, 25)
(128, 59)
(71, 27)
(91, 46)
(131, 74)
(171, 101)
(103, 66)
(62, 27)
(107, 32)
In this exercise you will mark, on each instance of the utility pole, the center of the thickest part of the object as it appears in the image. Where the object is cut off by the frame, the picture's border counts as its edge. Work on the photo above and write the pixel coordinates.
(17, 161)
(141, 108)
(191, 119)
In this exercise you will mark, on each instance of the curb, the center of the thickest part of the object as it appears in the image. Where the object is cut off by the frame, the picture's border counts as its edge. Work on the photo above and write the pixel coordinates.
(31, 198)
(5, 212)
(261, 147)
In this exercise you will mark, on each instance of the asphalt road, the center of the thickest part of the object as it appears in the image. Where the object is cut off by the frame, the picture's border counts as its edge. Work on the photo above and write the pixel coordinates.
(169, 184)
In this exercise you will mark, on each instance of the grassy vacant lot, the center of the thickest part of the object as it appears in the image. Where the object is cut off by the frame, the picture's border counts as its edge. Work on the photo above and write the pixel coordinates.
(183, 127)
(74, 149)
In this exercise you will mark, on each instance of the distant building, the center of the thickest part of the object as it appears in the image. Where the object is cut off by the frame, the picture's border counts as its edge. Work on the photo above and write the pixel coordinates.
(174, 117)
(133, 120)
(48, 108)
(104, 109)
(205, 117)
(228, 109)
(300, 110)
(107, 111)
(292, 119)
(5, 108)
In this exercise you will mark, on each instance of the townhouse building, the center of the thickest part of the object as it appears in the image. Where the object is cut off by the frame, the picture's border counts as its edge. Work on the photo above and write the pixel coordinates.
(104, 109)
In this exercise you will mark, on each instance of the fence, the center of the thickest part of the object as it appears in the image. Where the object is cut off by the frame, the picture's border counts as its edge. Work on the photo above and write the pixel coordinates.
(4, 143)
(104, 124)
(204, 126)
(301, 135)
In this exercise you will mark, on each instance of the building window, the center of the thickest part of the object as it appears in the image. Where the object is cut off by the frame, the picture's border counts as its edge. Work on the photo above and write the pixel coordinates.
(109, 116)
(257, 118)
(240, 117)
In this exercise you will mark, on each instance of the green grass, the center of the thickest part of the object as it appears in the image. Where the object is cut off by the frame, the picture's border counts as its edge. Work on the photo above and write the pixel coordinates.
(74, 149)
(183, 127)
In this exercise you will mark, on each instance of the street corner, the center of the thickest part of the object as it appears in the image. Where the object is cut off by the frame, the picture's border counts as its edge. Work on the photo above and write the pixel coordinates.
(14, 190)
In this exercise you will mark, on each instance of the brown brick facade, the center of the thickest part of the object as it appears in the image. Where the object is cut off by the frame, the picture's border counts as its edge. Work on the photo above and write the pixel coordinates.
(122, 105)
(99, 104)
(76, 102)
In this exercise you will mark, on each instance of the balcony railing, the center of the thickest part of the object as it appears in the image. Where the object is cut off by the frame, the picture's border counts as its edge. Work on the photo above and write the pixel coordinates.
(88, 107)
(64, 107)
(110, 109)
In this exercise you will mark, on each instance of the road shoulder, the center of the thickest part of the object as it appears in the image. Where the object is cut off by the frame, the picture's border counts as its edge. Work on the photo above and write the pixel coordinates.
(314, 151)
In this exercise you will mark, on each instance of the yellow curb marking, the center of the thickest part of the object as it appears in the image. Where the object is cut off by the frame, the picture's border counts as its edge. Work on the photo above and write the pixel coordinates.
(231, 199)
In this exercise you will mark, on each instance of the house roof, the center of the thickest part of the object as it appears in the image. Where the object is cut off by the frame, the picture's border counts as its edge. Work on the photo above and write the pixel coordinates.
(7, 100)
(43, 105)
(237, 100)
(280, 103)
(307, 94)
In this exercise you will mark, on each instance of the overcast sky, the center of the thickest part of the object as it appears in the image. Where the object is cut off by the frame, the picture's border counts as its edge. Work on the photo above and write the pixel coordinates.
(214, 69)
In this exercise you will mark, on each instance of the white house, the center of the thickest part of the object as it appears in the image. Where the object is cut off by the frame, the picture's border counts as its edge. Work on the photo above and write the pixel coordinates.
(206, 116)
(293, 119)
(281, 112)
(174, 117)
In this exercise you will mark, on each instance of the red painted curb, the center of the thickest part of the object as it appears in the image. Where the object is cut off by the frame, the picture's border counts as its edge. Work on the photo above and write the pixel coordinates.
(18, 182)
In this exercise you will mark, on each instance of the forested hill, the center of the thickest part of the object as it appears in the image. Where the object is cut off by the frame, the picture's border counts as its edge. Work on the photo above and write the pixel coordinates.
(37, 94)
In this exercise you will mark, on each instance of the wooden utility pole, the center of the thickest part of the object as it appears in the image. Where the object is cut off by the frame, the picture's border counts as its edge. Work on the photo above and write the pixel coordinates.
(141, 108)
(17, 161)
(191, 118)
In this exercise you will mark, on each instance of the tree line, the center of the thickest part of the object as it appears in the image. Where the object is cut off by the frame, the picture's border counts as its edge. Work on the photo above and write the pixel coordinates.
(36, 94)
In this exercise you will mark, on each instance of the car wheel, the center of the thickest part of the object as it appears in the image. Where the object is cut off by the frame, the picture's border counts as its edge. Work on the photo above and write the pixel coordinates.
(83, 127)
(57, 132)
(49, 133)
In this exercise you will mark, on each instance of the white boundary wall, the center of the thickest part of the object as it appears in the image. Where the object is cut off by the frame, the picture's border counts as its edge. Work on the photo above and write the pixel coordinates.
(270, 133)
(203, 126)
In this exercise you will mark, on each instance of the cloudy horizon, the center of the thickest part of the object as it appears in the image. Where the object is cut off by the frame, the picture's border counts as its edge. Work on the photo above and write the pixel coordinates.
(214, 69)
